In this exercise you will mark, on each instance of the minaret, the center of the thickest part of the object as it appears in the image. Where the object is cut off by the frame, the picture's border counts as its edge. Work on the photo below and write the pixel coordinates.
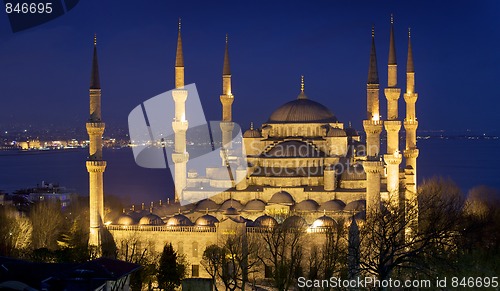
(180, 155)
(373, 127)
(411, 124)
(95, 164)
(392, 125)
(226, 99)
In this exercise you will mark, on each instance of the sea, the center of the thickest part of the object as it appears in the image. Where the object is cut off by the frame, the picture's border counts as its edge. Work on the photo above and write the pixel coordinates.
(468, 162)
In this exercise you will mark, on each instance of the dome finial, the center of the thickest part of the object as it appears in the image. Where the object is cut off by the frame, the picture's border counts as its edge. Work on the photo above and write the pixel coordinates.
(251, 125)
(302, 83)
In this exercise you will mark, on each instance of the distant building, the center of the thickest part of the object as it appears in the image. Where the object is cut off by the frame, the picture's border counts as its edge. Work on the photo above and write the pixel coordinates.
(101, 274)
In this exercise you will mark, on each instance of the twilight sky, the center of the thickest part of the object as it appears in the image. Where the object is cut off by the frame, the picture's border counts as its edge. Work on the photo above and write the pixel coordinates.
(44, 71)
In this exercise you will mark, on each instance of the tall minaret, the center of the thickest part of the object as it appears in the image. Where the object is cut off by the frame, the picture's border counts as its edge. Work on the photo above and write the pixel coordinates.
(180, 155)
(392, 125)
(226, 99)
(373, 127)
(411, 124)
(95, 164)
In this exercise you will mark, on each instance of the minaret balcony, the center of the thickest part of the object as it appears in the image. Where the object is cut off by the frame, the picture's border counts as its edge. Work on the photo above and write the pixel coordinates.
(411, 153)
(179, 95)
(95, 128)
(180, 157)
(411, 124)
(373, 126)
(392, 125)
(392, 93)
(96, 166)
(180, 125)
(373, 167)
(393, 159)
(411, 97)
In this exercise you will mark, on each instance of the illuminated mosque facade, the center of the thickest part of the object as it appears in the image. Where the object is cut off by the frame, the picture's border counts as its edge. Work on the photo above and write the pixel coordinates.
(302, 163)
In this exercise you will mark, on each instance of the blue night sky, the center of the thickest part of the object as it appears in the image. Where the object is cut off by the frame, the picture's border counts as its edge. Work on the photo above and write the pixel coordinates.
(45, 71)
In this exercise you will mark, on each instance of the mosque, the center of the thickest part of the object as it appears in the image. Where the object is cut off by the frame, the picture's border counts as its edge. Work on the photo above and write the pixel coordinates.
(302, 163)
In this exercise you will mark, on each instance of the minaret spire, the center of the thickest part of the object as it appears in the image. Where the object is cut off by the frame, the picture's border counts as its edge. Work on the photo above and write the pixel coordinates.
(392, 46)
(372, 69)
(179, 61)
(95, 164)
(94, 78)
(226, 70)
(409, 63)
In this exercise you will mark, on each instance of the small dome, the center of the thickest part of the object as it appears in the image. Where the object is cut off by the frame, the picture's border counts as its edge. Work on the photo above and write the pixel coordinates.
(231, 203)
(336, 132)
(332, 205)
(179, 220)
(206, 204)
(282, 197)
(206, 220)
(353, 172)
(324, 221)
(295, 221)
(356, 205)
(265, 221)
(255, 205)
(306, 205)
(231, 211)
(252, 133)
(151, 219)
(125, 219)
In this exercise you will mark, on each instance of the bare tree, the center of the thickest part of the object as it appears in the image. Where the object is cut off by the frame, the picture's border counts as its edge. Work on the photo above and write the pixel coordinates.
(15, 232)
(284, 245)
(212, 261)
(47, 220)
(391, 241)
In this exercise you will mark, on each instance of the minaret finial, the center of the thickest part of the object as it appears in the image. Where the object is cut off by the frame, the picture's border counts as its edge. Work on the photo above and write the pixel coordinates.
(179, 57)
(409, 32)
(226, 69)
(179, 24)
(392, 18)
(227, 38)
(94, 76)
(392, 45)
(95, 38)
(373, 30)
(302, 83)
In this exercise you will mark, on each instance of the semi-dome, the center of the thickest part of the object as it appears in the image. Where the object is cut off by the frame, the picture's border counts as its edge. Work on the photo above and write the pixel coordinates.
(324, 221)
(255, 205)
(207, 205)
(306, 205)
(302, 110)
(356, 205)
(179, 220)
(125, 219)
(332, 205)
(151, 219)
(294, 148)
(336, 132)
(282, 197)
(265, 221)
(206, 220)
(353, 172)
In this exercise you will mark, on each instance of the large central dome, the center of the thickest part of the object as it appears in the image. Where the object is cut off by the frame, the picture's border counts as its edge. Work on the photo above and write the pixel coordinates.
(302, 110)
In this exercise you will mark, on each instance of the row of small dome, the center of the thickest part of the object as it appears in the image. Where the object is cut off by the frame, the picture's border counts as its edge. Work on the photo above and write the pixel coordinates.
(208, 220)
(256, 205)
